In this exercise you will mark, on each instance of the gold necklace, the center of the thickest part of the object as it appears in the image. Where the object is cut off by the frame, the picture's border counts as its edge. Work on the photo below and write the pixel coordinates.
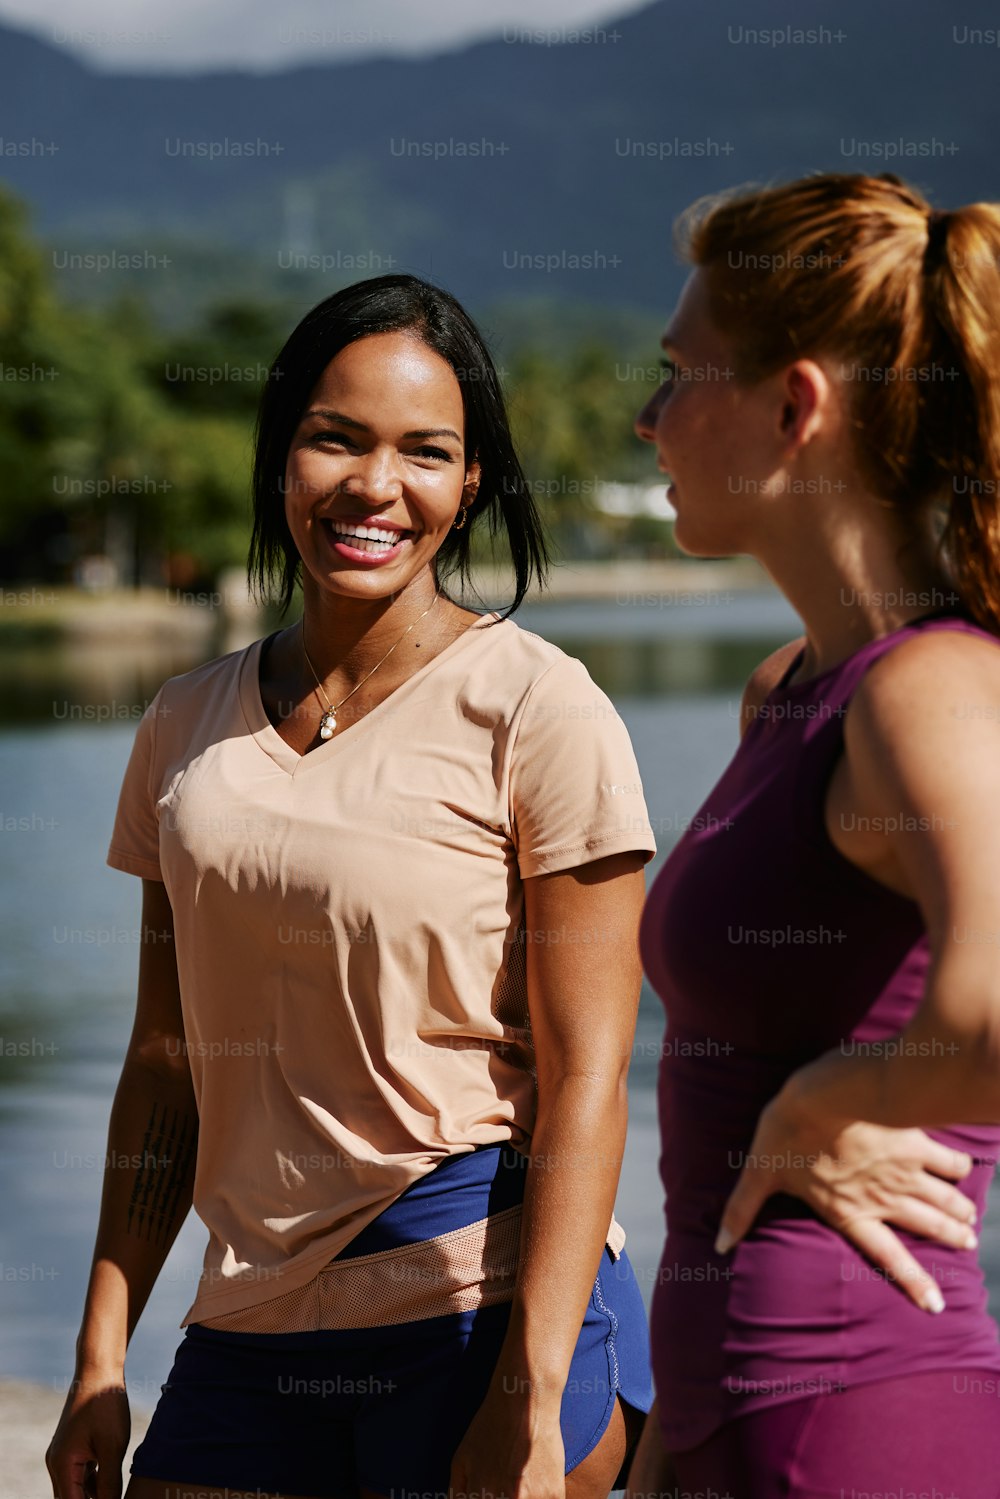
(328, 723)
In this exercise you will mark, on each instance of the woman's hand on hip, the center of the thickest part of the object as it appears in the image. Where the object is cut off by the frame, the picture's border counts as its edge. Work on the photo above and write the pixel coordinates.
(859, 1178)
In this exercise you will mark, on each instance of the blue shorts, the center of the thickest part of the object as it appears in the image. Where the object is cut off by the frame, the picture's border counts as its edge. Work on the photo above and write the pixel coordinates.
(327, 1413)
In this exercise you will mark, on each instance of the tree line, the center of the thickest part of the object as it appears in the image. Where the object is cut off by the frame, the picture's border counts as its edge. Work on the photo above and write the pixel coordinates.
(126, 446)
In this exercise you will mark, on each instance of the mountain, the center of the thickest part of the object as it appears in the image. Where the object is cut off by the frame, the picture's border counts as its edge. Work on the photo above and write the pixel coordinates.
(509, 170)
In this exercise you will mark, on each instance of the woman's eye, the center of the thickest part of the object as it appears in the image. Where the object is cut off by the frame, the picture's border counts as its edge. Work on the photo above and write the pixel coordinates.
(340, 439)
(669, 371)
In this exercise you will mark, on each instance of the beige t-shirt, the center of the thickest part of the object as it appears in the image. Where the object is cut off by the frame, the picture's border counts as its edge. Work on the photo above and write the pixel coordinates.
(349, 927)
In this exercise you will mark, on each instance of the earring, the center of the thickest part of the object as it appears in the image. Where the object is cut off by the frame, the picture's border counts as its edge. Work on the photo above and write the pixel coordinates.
(457, 524)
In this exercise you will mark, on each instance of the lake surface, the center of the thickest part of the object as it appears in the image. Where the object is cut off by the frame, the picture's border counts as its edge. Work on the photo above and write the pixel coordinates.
(70, 948)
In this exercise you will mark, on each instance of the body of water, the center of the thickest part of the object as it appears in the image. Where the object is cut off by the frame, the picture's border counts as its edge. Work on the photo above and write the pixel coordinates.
(70, 954)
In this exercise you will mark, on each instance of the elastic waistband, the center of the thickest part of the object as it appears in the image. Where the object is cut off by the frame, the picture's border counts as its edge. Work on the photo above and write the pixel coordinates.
(461, 1190)
(448, 1244)
(470, 1267)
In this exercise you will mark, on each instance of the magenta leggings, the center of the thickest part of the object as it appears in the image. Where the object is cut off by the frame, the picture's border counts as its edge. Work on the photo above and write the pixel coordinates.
(922, 1436)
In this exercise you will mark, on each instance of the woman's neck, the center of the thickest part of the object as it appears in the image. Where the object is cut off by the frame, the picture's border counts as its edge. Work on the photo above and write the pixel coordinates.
(348, 636)
(855, 577)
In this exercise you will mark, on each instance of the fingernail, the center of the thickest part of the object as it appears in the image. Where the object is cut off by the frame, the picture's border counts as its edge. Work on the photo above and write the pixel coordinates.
(725, 1241)
(971, 1242)
(933, 1300)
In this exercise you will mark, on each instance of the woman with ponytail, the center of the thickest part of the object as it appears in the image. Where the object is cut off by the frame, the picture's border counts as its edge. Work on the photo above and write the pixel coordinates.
(831, 920)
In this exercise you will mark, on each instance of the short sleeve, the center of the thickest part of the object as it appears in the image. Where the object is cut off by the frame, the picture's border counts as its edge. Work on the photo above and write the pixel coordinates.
(135, 837)
(575, 793)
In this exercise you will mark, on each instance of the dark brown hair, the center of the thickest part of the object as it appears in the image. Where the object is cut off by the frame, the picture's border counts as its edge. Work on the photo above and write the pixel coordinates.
(389, 304)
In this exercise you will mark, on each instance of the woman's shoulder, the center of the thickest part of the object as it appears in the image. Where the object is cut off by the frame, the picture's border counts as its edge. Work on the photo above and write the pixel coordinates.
(547, 697)
(529, 655)
(765, 677)
(948, 666)
(188, 687)
(533, 680)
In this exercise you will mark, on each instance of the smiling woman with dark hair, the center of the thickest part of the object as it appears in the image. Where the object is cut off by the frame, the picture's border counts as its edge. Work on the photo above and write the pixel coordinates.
(392, 874)
(501, 499)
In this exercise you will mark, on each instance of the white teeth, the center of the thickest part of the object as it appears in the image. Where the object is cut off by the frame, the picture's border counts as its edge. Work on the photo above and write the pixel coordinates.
(367, 533)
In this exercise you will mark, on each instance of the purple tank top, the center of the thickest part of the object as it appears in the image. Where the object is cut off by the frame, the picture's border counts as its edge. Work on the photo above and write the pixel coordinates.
(768, 947)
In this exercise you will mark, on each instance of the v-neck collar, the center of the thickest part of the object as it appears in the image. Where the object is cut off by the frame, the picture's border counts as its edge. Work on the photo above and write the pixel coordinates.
(271, 742)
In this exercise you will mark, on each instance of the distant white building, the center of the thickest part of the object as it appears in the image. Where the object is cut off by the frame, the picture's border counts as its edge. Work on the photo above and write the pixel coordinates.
(634, 499)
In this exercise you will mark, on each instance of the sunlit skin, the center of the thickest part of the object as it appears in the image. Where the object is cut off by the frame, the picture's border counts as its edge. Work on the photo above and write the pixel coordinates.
(708, 430)
(381, 439)
(765, 469)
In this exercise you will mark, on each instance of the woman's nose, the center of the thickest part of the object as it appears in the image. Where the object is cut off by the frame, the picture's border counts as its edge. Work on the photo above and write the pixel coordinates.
(376, 475)
(645, 422)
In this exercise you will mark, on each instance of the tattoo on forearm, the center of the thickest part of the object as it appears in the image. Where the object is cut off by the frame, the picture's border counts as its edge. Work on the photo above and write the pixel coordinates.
(168, 1149)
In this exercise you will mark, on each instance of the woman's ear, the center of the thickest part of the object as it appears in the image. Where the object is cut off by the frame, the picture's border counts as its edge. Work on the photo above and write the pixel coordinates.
(473, 476)
(807, 397)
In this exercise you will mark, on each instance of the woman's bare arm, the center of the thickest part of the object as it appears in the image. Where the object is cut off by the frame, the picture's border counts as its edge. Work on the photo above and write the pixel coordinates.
(584, 978)
(147, 1193)
(922, 771)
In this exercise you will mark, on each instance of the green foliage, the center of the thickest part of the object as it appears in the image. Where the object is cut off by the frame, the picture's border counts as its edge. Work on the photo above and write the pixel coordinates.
(29, 352)
(573, 416)
(123, 438)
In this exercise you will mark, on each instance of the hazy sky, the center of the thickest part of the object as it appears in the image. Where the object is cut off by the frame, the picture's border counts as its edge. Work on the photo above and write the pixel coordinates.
(142, 36)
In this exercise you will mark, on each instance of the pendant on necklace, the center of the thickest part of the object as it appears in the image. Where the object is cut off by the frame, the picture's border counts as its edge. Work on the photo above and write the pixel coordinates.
(327, 724)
